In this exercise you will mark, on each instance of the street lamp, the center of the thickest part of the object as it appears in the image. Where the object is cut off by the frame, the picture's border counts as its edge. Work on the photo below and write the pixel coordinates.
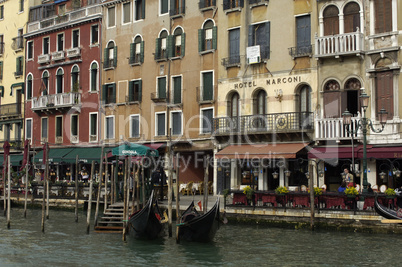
(364, 124)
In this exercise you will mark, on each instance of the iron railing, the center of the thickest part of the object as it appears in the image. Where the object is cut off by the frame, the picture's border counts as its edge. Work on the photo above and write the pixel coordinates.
(277, 122)
(18, 43)
(301, 51)
(231, 61)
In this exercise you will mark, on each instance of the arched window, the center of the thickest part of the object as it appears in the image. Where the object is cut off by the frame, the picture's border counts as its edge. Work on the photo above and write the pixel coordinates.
(351, 17)
(331, 20)
(45, 83)
(179, 39)
(94, 76)
(110, 56)
(29, 86)
(137, 51)
(260, 107)
(234, 105)
(352, 93)
(161, 46)
(59, 81)
(75, 82)
(332, 99)
(207, 36)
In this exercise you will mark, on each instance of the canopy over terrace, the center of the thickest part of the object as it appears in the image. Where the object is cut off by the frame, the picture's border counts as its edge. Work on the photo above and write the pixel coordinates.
(134, 150)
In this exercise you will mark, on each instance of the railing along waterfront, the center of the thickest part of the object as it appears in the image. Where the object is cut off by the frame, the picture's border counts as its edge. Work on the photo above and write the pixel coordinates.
(57, 100)
(276, 122)
(339, 44)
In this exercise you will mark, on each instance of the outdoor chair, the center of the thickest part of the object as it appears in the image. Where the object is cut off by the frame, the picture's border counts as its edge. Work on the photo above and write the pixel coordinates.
(189, 189)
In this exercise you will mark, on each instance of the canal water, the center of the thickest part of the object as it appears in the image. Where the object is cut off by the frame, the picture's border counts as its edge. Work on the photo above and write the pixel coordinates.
(65, 243)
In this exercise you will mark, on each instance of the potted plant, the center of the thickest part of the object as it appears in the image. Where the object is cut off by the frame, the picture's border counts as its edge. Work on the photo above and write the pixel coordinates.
(390, 193)
(351, 192)
(249, 192)
(317, 191)
(281, 190)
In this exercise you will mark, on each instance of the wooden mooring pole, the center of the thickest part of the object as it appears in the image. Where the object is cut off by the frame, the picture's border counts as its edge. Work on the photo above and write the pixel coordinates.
(206, 178)
(8, 192)
(178, 215)
(134, 189)
(76, 188)
(26, 184)
(4, 186)
(106, 181)
(90, 196)
(310, 171)
(44, 186)
(100, 180)
(125, 198)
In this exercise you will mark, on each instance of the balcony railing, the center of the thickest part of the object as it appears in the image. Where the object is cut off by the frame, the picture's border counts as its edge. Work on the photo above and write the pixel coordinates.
(74, 52)
(59, 55)
(18, 43)
(156, 98)
(231, 61)
(277, 122)
(340, 44)
(64, 100)
(42, 59)
(108, 63)
(301, 51)
(68, 18)
(7, 110)
(134, 59)
(14, 143)
(334, 129)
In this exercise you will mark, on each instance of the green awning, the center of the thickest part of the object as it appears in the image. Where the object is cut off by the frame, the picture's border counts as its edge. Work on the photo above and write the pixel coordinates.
(85, 154)
(16, 160)
(55, 154)
(133, 149)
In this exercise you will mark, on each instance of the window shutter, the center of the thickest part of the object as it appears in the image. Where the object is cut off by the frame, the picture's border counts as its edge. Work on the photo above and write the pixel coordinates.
(201, 4)
(183, 44)
(157, 48)
(104, 93)
(162, 88)
(331, 104)
(200, 40)
(140, 90)
(241, 4)
(215, 37)
(115, 56)
(172, 6)
(105, 57)
(132, 51)
(207, 85)
(170, 45)
(250, 35)
(143, 9)
(384, 92)
(113, 100)
(226, 4)
(18, 64)
(131, 91)
(142, 52)
(268, 35)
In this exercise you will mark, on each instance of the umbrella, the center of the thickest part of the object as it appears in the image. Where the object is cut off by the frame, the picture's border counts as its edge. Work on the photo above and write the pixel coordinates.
(132, 149)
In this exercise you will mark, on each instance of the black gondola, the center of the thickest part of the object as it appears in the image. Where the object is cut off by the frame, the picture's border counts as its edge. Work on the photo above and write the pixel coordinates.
(146, 223)
(386, 212)
(199, 228)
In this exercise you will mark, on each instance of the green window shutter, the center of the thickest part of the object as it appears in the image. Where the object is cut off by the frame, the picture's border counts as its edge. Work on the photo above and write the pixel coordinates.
(105, 57)
(139, 90)
(162, 88)
(200, 40)
(201, 4)
(207, 86)
(18, 65)
(157, 48)
(131, 91)
(172, 6)
(115, 56)
(250, 35)
(104, 92)
(170, 46)
(215, 37)
(177, 90)
(183, 44)
(268, 32)
(114, 93)
(143, 9)
(142, 52)
(132, 51)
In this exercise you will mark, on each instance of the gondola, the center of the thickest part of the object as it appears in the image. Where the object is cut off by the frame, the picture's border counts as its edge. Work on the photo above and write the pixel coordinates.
(146, 223)
(196, 227)
(385, 212)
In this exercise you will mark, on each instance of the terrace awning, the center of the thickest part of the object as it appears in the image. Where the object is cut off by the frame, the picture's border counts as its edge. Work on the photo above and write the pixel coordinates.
(55, 154)
(85, 154)
(261, 151)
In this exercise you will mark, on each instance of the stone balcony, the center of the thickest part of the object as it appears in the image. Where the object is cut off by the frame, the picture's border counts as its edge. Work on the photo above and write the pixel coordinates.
(43, 59)
(74, 52)
(339, 45)
(52, 103)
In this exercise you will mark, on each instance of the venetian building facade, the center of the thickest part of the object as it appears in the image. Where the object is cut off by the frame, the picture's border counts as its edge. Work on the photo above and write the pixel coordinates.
(63, 80)
(267, 93)
(159, 78)
(13, 19)
(357, 47)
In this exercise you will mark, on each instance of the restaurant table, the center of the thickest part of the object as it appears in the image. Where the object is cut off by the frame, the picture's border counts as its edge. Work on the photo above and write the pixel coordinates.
(300, 200)
(368, 202)
(239, 199)
(334, 201)
(269, 198)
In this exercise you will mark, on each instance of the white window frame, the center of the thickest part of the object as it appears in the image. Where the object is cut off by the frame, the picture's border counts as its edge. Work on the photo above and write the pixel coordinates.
(160, 8)
(139, 125)
(78, 127)
(57, 42)
(157, 84)
(55, 81)
(91, 36)
(79, 37)
(201, 119)
(202, 83)
(30, 129)
(33, 51)
(26, 86)
(156, 123)
(71, 77)
(114, 133)
(90, 77)
(171, 122)
(129, 15)
(41, 128)
(172, 87)
(43, 47)
(107, 25)
(55, 126)
(135, 11)
(97, 127)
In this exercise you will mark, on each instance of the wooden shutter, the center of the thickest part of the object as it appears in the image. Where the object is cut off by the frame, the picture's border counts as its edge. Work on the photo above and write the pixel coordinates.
(251, 35)
(142, 52)
(139, 82)
(332, 104)
(115, 56)
(207, 86)
(132, 51)
(268, 36)
(201, 4)
(351, 17)
(331, 20)
(113, 96)
(105, 58)
(143, 9)
(215, 37)
(131, 91)
(157, 48)
(177, 90)
(200, 40)
(162, 88)
(183, 44)
(384, 93)
(18, 65)
(170, 46)
(383, 16)
(104, 93)
(161, 124)
(303, 31)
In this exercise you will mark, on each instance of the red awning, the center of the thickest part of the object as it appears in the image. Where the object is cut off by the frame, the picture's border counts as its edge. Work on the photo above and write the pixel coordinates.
(261, 151)
(346, 152)
(384, 152)
(154, 145)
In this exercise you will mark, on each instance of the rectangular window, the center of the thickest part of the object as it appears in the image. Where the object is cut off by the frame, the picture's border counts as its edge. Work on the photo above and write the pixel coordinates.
(45, 46)
(19, 66)
(62, 9)
(28, 129)
(162, 87)
(1, 70)
(1, 12)
(139, 9)
(234, 46)
(109, 127)
(74, 127)
(111, 18)
(135, 126)
(59, 126)
(206, 120)
(163, 6)
(160, 124)
(109, 93)
(259, 34)
(207, 86)
(93, 123)
(60, 42)
(176, 123)
(30, 50)
(29, 87)
(383, 16)
(135, 91)
(177, 7)
(94, 34)
(44, 129)
(20, 39)
(176, 90)
(206, 3)
(385, 93)
(1, 44)
(229, 4)
(76, 38)
(126, 12)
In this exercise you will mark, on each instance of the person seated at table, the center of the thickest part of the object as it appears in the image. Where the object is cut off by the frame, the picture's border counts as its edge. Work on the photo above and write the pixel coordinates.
(342, 188)
(369, 189)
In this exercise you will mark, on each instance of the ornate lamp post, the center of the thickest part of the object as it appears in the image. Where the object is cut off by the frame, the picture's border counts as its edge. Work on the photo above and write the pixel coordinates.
(365, 125)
